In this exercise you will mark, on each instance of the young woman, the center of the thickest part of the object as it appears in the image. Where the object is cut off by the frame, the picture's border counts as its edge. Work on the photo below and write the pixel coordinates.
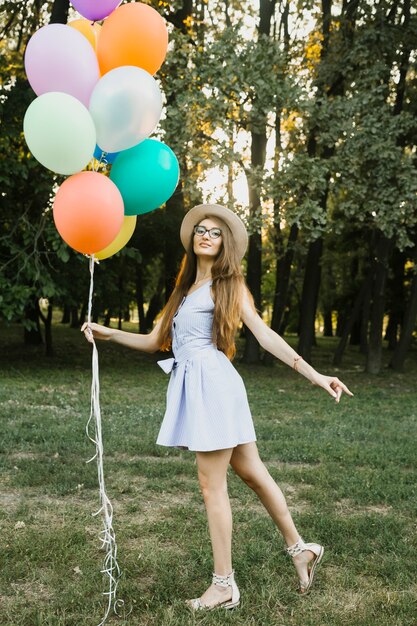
(207, 409)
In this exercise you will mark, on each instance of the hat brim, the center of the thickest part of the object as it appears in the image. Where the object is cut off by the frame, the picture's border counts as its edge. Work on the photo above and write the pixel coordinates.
(199, 212)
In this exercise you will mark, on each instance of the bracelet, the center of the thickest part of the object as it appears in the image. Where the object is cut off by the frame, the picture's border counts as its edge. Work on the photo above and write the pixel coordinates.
(296, 359)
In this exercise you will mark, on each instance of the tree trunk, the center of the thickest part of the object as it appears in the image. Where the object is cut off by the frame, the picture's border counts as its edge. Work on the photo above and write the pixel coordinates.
(155, 305)
(283, 261)
(120, 290)
(395, 289)
(309, 297)
(75, 321)
(327, 323)
(174, 209)
(173, 250)
(350, 321)
(59, 13)
(83, 313)
(254, 256)
(66, 314)
(140, 298)
(284, 322)
(47, 321)
(311, 283)
(258, 155)
(253, 277)
(398, 358)
(374, 355)
(282, 281)
(392, 330)
(355, 334)
(32, 335)
(366, 311)
(340, 324)
(283, 277)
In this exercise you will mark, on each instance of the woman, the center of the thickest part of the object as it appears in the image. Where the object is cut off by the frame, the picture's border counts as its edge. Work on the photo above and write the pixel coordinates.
(207, 409)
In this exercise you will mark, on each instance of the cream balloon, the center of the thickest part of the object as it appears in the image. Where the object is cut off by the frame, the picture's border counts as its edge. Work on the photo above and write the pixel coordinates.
(121, 240)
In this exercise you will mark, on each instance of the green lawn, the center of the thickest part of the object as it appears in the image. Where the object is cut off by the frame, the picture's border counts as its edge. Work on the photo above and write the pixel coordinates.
(349, 473)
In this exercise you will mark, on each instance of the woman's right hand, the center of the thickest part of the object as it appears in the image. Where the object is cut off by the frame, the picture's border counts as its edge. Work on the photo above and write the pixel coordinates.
(96, 331)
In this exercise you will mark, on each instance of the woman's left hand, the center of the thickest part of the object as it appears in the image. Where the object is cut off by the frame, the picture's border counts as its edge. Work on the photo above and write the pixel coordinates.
(332, 385)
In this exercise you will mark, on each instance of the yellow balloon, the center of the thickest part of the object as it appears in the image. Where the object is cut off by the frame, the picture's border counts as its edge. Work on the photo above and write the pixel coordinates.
(89, 30)
(121, 240)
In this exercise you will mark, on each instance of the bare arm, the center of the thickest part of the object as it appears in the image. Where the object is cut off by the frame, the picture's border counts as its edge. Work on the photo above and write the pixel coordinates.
(145, 343)
(273, 343)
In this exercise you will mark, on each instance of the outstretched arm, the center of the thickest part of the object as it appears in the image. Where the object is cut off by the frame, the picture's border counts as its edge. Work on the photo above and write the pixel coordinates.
(273, 343)
(145, 343)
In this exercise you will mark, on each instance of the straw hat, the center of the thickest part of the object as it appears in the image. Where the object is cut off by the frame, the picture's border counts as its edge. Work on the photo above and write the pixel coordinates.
(199, 212)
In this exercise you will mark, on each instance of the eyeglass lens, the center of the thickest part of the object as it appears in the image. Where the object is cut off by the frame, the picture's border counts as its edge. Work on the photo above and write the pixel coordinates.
(214, 233)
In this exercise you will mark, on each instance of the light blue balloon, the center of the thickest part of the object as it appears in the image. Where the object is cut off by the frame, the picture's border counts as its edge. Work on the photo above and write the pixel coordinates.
(146, 176)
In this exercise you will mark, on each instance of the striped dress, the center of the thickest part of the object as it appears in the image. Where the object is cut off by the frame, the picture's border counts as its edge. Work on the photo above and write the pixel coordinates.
(207, 407)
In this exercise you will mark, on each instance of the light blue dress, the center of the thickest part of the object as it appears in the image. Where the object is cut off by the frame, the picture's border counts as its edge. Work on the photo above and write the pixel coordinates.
(207, 407)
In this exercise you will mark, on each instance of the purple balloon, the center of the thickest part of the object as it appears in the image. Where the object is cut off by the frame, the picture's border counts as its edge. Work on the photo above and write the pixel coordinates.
(59, 58)
(95, 9)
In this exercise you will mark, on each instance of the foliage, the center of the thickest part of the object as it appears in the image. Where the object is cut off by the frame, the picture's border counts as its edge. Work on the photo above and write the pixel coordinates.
(27, 235)
(335, 94)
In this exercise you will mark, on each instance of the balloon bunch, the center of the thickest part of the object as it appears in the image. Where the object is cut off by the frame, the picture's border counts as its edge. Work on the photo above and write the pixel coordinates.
(97, 98)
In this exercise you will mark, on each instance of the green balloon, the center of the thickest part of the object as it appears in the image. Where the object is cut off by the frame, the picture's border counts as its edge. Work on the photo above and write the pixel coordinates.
(146, 176)
(60, 132)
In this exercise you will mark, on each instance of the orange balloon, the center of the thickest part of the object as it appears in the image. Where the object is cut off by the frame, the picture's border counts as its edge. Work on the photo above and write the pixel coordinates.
(134, 34)
(89, 30)
(88, 211)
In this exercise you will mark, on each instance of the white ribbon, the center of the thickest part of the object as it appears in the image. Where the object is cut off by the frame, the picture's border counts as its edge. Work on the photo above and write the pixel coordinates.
(107, 536)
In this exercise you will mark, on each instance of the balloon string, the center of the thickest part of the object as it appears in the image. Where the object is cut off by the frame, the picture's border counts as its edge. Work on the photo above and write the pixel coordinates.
(107, 536)
(97, 162)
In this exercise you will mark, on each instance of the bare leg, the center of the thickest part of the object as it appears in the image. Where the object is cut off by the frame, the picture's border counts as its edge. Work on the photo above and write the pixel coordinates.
(212, 475)
(248, 466)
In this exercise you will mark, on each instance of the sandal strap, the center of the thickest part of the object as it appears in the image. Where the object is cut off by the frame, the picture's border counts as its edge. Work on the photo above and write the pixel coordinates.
(301, 546)
(297, 548)
(223, 581)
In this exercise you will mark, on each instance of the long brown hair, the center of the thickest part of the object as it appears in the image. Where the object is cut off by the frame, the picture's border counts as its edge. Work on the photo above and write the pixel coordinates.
(228, 284)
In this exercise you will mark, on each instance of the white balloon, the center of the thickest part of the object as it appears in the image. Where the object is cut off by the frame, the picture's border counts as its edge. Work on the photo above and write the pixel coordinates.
(126, 105)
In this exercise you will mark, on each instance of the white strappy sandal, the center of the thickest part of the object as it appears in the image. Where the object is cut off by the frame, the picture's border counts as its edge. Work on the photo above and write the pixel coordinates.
(221, 581)
(317, 550)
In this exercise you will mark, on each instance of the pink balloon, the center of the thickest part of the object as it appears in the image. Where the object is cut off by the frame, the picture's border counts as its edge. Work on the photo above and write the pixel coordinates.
(95, 9)
(59, 58)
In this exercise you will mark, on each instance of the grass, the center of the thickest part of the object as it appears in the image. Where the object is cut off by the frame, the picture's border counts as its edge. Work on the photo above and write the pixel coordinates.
(348, 472)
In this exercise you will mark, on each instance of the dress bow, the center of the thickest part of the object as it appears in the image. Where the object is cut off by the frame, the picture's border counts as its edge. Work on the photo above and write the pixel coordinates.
(167, 365)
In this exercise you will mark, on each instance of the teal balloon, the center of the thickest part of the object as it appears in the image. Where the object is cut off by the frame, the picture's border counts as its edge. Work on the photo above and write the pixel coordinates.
(146, 176)
(60, 132)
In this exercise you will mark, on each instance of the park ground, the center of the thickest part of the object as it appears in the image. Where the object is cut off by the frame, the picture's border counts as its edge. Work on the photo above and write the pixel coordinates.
(348, 471)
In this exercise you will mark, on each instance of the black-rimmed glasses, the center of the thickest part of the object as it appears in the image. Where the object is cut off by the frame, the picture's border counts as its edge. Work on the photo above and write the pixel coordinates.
(214, 233)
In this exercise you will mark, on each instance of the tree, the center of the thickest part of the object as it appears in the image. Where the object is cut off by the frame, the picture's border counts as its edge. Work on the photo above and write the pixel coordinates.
(319, 120)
